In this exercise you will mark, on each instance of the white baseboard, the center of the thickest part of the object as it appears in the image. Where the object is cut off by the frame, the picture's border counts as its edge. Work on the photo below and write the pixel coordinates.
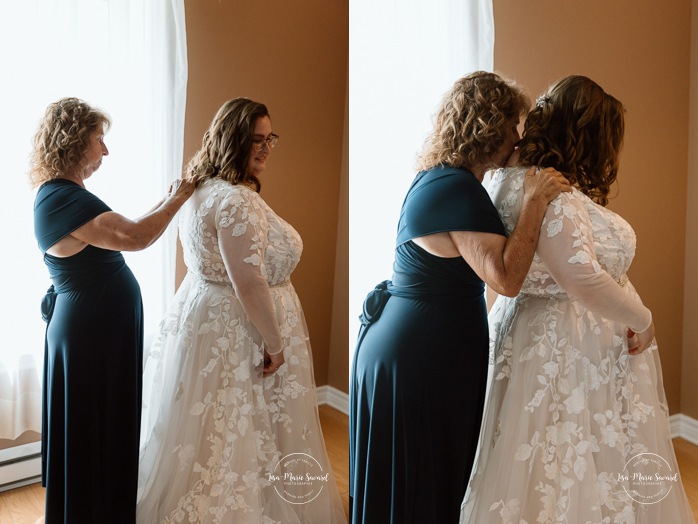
(684, 427)
(334, 398)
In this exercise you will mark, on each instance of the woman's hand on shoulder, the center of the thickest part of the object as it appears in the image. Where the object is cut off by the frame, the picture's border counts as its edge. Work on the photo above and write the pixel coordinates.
(544, 184)
(181, 189)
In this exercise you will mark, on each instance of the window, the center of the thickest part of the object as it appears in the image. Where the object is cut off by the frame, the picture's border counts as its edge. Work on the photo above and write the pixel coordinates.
(128, 58)
(403, 57)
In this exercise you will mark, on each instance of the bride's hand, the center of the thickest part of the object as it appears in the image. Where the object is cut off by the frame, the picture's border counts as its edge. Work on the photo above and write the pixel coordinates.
(272, 363)
(638, 342)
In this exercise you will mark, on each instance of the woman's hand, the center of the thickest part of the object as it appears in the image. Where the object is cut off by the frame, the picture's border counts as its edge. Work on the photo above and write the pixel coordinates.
(272, 363)
(638, 342)
(545, 184)
(181, 189)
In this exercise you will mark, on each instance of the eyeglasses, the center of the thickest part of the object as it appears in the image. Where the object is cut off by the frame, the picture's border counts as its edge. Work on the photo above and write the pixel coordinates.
(259, 143)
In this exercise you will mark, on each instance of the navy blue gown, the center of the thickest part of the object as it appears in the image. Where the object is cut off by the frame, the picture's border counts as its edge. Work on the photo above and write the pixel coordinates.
(420, 367)
(92, 369)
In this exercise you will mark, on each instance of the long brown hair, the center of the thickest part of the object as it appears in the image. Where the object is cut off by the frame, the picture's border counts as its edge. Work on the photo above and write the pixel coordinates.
(577, 128)
(226, 146)
(472, 121)
(62, 139)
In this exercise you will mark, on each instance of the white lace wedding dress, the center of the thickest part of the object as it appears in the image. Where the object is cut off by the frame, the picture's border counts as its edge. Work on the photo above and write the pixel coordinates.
(217, 435)
(576, 430)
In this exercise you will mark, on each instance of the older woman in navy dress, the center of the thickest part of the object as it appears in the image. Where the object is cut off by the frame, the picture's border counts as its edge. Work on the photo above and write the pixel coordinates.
(94, 337)
(420, 367)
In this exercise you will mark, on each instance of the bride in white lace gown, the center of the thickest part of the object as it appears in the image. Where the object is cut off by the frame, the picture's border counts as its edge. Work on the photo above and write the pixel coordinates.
(576, 426)
(231, 432)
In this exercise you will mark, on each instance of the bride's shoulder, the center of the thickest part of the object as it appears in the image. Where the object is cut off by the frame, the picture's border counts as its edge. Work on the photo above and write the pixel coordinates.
(509, 178)
(225, 192)
(504, 174)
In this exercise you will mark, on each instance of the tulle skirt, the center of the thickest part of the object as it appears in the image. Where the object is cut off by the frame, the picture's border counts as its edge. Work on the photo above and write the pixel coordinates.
(576, 430)
(220, 443)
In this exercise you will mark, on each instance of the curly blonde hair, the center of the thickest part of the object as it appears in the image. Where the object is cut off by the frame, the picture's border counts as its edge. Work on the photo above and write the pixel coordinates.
(577, 128)
(472, 122)
(62, 139)
(226, 146)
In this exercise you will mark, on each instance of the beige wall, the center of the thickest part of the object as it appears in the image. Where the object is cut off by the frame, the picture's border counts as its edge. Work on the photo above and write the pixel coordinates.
(639, 52)
(338, 375)
(292, 56)
(689, 381)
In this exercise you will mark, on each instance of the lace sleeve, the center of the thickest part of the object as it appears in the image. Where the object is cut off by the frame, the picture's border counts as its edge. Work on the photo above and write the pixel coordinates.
(505, 187)
(566, 249)
(242, 237)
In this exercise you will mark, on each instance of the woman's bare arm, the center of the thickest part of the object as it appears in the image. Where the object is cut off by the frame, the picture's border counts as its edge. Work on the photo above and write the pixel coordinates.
(113, 231)
(503, 262)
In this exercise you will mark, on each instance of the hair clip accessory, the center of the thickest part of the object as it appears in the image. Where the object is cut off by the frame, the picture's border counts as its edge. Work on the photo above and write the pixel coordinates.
(542, 100)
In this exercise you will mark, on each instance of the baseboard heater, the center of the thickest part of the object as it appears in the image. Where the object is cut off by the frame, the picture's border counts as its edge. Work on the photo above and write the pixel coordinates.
(20, 465)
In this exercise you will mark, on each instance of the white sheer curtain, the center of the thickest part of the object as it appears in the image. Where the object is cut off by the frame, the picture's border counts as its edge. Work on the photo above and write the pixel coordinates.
(127, 57)
(403, 55)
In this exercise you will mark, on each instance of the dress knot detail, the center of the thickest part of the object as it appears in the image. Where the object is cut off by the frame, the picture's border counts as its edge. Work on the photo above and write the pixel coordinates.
(48, 303)
(374, 303)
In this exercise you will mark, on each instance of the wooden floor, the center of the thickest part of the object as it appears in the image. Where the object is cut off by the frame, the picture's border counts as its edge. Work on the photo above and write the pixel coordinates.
(335, 429)
(26, 505)
(687, 457)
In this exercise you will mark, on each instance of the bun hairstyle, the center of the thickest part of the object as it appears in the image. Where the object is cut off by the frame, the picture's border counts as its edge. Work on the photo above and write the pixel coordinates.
(577, 128)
